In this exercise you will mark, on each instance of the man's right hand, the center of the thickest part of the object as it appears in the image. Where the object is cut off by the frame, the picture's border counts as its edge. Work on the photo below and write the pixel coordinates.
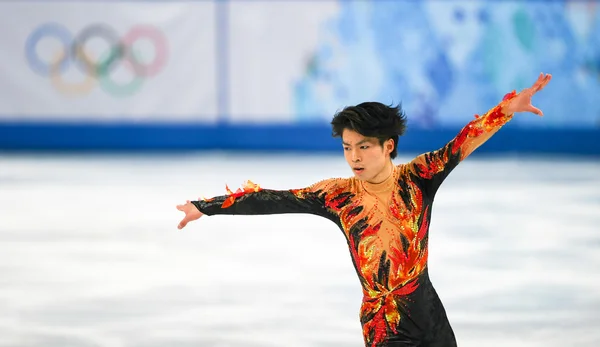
(191, 214)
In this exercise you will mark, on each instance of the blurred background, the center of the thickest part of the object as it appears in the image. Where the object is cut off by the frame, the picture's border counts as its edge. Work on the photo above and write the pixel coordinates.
(113, 112)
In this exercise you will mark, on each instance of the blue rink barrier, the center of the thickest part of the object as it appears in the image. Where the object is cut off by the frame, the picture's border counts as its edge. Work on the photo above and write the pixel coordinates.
(124, 137)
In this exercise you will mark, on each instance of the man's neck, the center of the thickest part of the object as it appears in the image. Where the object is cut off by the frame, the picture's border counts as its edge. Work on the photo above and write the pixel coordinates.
(385, 173)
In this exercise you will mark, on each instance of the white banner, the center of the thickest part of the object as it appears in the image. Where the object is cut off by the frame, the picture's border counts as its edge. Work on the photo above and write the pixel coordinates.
(272, 45)
(108, 61)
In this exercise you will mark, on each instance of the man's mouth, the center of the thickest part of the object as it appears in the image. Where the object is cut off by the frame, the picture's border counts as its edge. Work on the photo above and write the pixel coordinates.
(358, 169)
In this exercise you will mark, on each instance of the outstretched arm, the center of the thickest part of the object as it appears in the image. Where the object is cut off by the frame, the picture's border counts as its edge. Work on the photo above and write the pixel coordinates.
(254, 200)
(435, 166)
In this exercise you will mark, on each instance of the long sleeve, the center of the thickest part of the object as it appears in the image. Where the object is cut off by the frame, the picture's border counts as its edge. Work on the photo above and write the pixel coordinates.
(434, 167)
(254, 200)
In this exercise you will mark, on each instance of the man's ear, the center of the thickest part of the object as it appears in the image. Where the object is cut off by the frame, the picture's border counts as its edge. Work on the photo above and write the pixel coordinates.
(389, 146)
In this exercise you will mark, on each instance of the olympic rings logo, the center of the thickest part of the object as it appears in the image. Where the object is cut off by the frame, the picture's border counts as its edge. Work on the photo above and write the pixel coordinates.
(97, 68)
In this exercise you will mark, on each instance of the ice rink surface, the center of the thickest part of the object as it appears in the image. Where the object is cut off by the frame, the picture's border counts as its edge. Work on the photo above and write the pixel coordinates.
(91, 256)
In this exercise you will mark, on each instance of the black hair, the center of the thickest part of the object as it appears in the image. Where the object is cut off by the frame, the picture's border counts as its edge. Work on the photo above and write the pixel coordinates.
(372, 119)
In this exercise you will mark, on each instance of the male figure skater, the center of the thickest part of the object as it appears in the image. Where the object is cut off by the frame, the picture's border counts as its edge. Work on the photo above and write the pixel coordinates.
(384, 212)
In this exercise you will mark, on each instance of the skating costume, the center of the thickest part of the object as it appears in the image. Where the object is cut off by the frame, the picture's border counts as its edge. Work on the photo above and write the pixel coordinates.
(386, 226)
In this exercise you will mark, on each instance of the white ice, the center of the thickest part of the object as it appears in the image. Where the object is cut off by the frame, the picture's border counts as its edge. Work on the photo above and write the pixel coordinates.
(90, 254)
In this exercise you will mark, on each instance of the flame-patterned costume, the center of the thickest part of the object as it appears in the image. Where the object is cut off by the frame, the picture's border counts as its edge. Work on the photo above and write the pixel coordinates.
(386, 226)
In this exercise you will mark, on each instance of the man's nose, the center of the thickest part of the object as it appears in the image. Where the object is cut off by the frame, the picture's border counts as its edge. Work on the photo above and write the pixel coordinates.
(355, 157)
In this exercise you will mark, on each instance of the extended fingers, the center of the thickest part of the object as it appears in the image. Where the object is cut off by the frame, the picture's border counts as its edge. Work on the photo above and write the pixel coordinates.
(541, 82)
(181, 207)
(544, 83)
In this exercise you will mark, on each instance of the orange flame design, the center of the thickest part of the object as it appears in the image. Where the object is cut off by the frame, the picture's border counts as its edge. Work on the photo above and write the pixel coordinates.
(248, 187)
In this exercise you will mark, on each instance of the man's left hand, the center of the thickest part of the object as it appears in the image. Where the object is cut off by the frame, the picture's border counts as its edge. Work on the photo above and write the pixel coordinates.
(522, 101)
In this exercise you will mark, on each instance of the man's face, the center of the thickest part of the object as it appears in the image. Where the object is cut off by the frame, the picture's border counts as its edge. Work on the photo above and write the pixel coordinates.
(366, 157)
